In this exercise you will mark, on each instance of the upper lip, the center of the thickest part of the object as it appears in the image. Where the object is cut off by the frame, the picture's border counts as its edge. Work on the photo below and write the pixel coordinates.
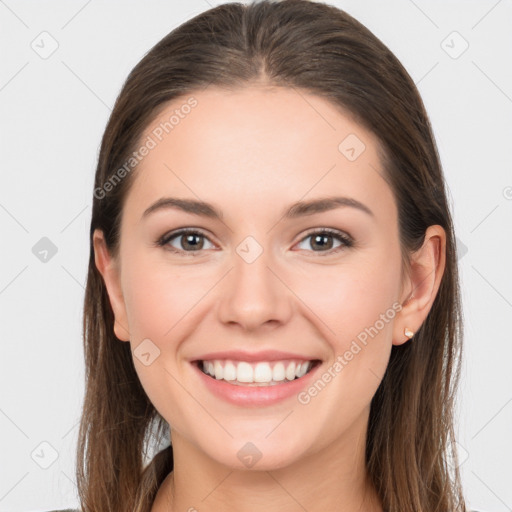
(265, 355)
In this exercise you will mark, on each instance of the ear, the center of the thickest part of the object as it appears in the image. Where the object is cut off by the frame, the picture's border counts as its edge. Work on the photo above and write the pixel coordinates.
(422, 283)
(108, 267)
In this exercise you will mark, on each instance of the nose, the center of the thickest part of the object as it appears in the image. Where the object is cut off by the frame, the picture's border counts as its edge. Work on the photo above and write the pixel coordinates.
(254, 295)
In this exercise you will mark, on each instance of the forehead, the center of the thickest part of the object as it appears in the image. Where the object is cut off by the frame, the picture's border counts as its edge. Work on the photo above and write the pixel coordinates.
(257, 142)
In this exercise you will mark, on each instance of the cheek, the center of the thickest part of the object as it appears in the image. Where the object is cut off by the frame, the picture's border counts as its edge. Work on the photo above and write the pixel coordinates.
(159, 303)
(351, 298)
(159, 297)
(355, 308)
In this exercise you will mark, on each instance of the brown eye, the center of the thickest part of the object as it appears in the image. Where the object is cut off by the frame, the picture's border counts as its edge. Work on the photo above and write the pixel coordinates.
(323, 241)
(187, 241)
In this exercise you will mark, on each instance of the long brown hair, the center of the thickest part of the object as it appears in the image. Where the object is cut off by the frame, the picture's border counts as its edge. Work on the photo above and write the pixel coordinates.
(322, 50)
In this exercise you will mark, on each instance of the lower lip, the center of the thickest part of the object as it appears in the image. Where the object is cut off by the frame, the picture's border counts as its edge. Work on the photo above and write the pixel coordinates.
(255, 395)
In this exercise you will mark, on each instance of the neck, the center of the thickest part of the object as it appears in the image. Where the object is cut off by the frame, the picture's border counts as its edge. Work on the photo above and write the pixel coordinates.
(333, 478)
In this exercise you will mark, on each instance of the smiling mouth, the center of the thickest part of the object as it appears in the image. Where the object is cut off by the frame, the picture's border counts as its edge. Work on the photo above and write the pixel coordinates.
(252, 376)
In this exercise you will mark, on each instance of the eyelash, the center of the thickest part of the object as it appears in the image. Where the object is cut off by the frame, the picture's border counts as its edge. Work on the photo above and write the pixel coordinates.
(345, 239)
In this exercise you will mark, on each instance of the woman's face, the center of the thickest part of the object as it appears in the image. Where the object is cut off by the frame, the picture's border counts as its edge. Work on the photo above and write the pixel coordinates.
(257, 279)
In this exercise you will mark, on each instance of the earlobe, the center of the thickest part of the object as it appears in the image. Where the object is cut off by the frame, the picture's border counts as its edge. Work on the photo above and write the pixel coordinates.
(426, 272)
(109, 270)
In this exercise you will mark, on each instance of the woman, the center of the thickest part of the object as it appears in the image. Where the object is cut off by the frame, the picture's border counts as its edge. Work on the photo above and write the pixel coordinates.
(272, 275)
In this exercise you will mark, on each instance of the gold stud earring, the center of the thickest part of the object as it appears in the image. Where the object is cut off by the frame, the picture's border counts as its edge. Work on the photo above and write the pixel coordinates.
(408, 332)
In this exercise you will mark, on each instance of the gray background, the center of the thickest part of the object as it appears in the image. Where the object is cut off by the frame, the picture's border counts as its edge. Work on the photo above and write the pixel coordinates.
(53, 112)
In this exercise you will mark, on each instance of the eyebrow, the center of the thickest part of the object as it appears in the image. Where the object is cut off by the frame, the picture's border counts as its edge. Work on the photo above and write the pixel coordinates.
(298, 209)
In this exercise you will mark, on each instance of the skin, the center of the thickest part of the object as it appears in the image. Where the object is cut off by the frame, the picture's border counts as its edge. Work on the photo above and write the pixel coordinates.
(251, 153)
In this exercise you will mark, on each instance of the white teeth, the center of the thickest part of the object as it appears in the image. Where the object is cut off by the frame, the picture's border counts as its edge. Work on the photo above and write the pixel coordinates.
(290, 371)
(261, 372)
(244, 372)
(229, 371)
(301, 370)
(278, 372)
(219, 371)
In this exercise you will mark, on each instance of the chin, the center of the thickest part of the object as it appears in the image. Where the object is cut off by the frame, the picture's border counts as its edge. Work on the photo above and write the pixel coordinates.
(258, 454)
